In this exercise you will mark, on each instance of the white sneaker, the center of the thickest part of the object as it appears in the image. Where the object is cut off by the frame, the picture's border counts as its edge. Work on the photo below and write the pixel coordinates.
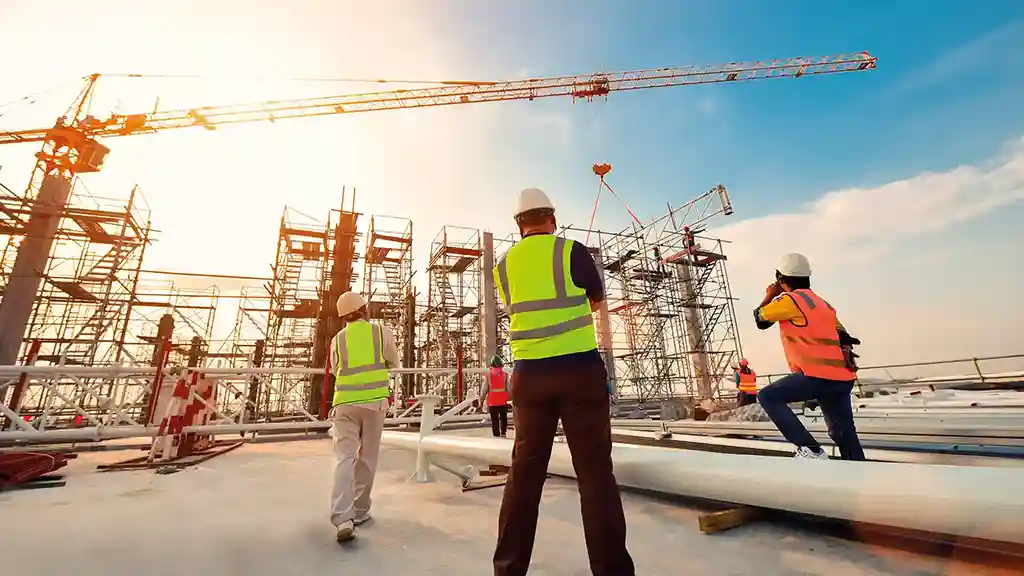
(805, 453)
(346, 531)
(362, 519)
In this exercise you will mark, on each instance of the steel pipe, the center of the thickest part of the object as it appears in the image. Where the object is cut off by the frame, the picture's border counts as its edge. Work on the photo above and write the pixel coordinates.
(963, 501)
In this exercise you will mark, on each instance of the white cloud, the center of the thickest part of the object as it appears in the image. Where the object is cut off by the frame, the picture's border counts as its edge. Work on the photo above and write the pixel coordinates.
(886, 258)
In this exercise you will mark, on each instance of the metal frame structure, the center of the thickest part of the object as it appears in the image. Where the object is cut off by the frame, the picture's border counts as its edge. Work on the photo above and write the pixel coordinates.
(387, 283)
(451, 322)
(671, 317)
(300, 276)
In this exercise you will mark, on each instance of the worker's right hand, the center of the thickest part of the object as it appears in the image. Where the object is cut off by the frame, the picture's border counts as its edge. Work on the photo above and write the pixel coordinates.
(773, 290)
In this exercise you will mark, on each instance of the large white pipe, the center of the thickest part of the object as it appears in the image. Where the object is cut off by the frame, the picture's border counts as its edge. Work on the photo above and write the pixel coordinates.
(958, 500)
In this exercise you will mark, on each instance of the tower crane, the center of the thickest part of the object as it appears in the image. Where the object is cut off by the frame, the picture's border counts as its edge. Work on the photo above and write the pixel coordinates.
(71, 146)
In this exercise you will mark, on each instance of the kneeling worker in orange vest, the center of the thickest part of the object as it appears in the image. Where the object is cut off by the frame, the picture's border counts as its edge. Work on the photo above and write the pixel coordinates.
(746, 382)
(360, 357)
(495, 390)
(816, 347)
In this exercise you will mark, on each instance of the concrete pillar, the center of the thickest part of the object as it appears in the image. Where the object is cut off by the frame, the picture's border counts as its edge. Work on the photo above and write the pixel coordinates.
(489, 316)
(33, 254)
(694, 331)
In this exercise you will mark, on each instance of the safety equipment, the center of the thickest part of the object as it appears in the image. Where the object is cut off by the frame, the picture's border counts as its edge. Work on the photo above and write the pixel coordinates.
(743, 362)
(360, 375)
(795, 265)
(349, 302)
(814, 349)
(496, 361)
(533, 199)
(497, 393)
(549, 315)
(748, 381)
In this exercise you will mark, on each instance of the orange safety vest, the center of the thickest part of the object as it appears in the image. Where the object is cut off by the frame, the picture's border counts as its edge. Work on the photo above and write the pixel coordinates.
(814, 349)
(497, 395)
(748, 382)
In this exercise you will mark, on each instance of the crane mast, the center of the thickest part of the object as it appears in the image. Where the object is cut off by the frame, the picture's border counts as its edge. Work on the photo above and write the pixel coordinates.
(71, 147)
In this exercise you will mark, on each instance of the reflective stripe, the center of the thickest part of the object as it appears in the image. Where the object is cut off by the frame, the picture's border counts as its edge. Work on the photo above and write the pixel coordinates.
(561, 299)
(807, 299)
(359, 387)
(344, 370)
(812, 341)
(548, 331)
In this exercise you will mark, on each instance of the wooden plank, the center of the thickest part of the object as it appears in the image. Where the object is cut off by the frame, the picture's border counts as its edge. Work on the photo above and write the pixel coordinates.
(722, 520)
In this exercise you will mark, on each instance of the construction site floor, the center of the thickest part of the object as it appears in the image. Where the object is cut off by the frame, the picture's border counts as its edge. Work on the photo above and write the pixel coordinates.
(262, 510)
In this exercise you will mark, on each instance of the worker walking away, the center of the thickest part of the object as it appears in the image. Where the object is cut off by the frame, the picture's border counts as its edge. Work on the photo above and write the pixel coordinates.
(549, 287)
(746, 383)
(495, 390)
(819, 352)
(360, 357)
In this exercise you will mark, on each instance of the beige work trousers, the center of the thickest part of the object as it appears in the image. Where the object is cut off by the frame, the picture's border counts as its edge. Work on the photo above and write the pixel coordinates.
(356, 431)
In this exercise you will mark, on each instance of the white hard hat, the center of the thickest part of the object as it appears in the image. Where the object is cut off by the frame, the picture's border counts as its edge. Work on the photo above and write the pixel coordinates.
(795, 265)
(349, 302)
(532, 199)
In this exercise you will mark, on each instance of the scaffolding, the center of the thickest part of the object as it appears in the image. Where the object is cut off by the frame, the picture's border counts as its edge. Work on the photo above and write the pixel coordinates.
(451, 321)
(299, 278)
(387, 283)
(671, 319)
(80, 314)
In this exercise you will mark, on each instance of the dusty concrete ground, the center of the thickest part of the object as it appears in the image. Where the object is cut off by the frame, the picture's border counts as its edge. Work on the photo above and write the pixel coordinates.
(262, 509)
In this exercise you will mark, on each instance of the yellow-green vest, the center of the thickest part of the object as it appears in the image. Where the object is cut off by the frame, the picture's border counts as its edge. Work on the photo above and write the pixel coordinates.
(360, 375)
(548, 314)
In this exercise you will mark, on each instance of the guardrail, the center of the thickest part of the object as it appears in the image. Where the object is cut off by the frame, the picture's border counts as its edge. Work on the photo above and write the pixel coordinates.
(92, 403)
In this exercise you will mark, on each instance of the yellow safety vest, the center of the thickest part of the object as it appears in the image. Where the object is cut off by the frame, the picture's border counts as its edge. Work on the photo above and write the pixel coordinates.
(360, 375)
(549, 315)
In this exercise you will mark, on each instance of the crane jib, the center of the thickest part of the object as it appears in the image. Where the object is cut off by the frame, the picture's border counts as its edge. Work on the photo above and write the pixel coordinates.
(579, 87)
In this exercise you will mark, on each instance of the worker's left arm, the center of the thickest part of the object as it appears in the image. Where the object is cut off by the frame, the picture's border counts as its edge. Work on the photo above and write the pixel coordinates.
(391, 357)
(585, 274)
(780, 309)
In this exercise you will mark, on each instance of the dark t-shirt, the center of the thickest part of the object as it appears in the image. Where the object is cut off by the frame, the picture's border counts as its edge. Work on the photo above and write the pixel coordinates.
(584, 275)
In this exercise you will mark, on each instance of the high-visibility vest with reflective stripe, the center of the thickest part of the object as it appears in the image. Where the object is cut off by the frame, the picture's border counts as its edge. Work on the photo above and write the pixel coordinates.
(548, 315)
(814, 349)
(748, 381)
(360, 375)
(497, 394)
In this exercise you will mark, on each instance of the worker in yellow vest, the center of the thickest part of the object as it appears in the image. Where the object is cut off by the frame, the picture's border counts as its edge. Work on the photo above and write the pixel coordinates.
(746, 383)
(360, 357)
(549, 286)
(819, 352)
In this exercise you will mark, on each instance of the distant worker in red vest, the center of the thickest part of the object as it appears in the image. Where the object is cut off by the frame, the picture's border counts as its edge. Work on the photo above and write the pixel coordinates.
(495, 390)
(818, 350)
(746, 382)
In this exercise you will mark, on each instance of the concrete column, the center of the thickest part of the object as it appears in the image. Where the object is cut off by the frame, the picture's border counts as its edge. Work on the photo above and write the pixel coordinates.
(489, 316)
(33, 254)
(694, 331)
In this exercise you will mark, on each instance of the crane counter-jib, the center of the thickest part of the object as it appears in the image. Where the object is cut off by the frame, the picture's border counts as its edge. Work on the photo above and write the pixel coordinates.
(582, 86)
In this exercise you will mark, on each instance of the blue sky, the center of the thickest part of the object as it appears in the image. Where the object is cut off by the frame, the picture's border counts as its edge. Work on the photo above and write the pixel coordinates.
(903, 185)
(946, 91)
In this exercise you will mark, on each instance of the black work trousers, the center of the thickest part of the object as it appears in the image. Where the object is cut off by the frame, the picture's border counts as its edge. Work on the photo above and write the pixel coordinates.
(745, 398)
(499, 420)
(836, 405)
(579, 396)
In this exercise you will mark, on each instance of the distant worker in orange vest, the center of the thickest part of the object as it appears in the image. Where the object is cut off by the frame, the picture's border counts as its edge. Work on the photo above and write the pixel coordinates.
(746, 382)
(495, 390)
(819, 352)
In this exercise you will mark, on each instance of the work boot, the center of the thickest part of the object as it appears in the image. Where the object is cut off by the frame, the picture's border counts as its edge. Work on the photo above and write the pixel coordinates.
(346, 531)
(362, 519)
(805, 453)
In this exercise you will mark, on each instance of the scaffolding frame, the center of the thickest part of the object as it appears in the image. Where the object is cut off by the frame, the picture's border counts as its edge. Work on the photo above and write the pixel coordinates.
(299, 279)
(451, 322)
(387, 283)
(671, 314)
